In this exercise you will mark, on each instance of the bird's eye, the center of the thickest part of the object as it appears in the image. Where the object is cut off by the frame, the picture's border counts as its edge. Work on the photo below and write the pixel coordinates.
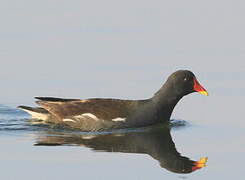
(185, 79)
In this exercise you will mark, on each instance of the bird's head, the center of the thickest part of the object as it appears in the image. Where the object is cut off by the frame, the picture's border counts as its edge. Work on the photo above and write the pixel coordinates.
(184, 82)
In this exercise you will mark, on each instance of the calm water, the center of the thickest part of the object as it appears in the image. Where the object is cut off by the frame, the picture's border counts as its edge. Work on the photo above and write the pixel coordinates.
(122, 49)
(152, 146)
(30, 149)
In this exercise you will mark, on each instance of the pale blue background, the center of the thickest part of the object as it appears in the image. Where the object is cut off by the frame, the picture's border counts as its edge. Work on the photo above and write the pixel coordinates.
(116, 48)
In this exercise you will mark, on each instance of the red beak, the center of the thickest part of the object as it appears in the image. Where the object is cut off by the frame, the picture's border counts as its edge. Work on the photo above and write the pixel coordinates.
(198, 87)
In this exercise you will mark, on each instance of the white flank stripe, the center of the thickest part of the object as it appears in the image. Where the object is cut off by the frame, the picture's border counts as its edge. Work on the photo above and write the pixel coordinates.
(90, 115)
(87, 115)
(88, 137)
(68, 120)
(118, 119)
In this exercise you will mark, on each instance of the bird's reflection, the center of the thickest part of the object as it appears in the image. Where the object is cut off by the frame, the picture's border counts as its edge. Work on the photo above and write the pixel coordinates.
(156, 142)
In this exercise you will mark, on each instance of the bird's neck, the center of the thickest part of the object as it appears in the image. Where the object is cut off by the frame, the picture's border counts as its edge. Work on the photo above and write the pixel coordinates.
(165, 100)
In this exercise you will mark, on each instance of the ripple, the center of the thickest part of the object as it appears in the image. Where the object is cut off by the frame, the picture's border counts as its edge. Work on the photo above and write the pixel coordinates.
(177, 123)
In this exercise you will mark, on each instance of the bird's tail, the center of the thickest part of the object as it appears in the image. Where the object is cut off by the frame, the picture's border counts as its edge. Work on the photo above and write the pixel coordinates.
(36, 113)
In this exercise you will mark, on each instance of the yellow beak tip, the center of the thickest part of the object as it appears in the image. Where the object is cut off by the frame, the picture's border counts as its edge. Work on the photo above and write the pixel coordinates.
(202, 162)
(204, 93)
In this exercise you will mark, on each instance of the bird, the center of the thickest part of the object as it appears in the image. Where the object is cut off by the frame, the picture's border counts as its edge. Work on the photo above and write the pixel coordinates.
(101, 114)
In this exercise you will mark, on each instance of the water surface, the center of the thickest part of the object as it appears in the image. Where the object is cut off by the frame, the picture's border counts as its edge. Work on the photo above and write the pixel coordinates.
(155, 142)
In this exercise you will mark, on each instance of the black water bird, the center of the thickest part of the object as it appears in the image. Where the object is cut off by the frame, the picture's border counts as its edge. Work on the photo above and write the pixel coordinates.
(102, 114)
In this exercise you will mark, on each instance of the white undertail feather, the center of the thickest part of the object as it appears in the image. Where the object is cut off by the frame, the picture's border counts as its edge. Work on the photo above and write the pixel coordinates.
(36, 115)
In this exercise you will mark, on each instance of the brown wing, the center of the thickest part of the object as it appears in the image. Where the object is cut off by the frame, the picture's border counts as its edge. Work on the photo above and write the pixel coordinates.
(105, 109)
